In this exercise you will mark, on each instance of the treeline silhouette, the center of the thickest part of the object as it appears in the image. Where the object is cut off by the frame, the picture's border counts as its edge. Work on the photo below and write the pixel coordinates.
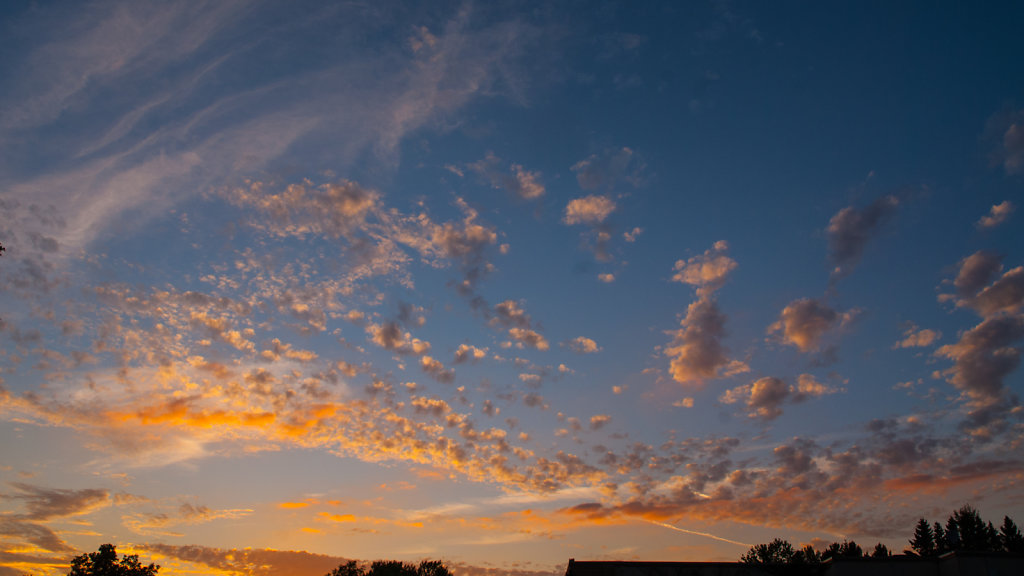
(105, 562)
(391, 568)
(964, 531)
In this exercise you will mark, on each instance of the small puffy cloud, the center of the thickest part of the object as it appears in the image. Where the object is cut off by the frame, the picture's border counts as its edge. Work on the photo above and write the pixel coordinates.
(1013, 148)
(696, 350)
(437, 370)
(463, 241)
(808, 387)
(510, 313)
(851, 228)
(531, 379)
(514, 178)
(590, 210)
(1005, 295)
(604, 170)
(707, 271)
(976, 271)
(583, 345)
(979, 288)
(985, 355)
(997, 215)
(432, 406)
(422, 38)
(221, 328)
(684, 403)
(803, 323)
(277, 349)
(468, 353)
(606, 278)
(535, 401)
(632, 235)
(599, 421)
(332, 209)
(765, 397)
(528, 337)
(390, 337)
(982, 359)
(528, 183)
(914, 338)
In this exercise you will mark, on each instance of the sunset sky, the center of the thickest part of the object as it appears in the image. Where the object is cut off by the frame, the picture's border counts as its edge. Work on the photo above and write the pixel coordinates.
(504, 284)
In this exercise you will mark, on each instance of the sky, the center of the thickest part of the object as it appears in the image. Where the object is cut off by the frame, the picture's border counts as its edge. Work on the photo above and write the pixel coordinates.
(504, 284)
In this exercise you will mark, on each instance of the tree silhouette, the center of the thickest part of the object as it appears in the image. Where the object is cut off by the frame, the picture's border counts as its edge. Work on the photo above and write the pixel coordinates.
(1010, 537)
(807, 555)
(350, 568)
(106, 563)
(848, 549)
(777, 551)
(941, 541)
(924, 539)
(432, 568)
(965, 530)
(391, 568)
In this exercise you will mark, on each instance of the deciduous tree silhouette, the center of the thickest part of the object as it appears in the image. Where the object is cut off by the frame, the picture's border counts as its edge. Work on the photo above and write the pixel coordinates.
(106, 563)
(807, 555)
(350, 568)
(778, 551)
(391, 568)
(848, 549)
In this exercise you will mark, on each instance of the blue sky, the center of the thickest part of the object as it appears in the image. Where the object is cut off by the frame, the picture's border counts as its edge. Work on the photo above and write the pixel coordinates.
(289, 284)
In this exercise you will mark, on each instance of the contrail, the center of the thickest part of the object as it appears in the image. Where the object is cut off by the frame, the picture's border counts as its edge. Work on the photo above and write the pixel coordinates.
(704, 534)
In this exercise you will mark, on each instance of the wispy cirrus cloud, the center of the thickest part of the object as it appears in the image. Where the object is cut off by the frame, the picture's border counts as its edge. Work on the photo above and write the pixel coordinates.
(43, 505)
(95, 183)
(606, 169)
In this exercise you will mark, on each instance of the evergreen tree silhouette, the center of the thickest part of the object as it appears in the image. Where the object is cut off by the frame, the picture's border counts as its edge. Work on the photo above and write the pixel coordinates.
(924, 539)
(1010, 537)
